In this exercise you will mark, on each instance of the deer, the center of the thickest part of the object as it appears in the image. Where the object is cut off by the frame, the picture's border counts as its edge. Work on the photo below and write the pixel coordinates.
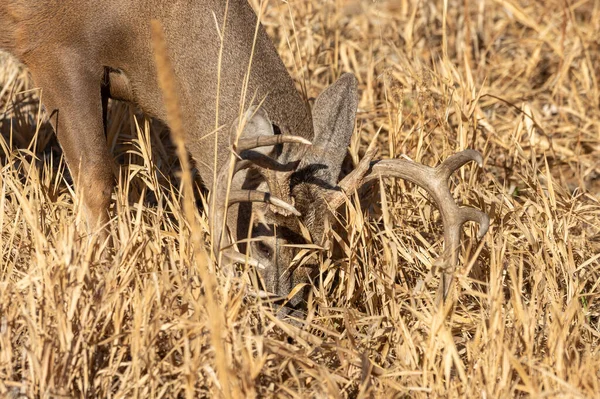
(288, 156)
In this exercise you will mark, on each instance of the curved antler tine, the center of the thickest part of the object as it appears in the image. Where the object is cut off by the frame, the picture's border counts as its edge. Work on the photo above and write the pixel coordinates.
(260, 160)
(477, 216)
(241, 165)
(238, 257)
(260, 196)
(249, 143)
(266, 162)
(456, 161)
(354, 179)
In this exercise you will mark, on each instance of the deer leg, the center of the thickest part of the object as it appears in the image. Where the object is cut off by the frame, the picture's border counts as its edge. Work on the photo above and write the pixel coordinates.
(71, 94)
(105, 94)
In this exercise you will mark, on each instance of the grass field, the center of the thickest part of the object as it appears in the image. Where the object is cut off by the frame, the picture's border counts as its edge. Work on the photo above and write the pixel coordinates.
(517, 81)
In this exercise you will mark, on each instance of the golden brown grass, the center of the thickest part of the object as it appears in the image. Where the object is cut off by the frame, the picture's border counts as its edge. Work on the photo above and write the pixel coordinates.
(517, 81)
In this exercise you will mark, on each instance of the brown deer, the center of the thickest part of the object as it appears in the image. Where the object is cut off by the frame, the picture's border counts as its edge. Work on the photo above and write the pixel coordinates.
(227, 74)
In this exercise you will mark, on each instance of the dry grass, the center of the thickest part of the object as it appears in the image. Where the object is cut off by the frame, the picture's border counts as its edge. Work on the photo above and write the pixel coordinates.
(517, 81)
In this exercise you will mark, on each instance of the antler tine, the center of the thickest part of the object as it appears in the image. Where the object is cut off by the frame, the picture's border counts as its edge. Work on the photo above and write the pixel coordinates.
(435, 182)
(236, 256)
(260, 196)
(354, 179)
(249, 143)
(456, 161)
(253, 158)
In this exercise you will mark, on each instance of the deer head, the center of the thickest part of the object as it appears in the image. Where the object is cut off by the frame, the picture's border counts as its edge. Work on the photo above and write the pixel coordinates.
(287, 196)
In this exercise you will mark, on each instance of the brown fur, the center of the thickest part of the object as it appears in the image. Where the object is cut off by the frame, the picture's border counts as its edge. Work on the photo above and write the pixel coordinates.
(76, 49)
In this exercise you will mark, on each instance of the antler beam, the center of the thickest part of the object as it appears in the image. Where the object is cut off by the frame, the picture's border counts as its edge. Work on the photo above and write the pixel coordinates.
(435, 182)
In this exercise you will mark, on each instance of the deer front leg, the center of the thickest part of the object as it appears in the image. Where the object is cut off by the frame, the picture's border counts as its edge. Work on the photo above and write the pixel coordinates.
(72, 96)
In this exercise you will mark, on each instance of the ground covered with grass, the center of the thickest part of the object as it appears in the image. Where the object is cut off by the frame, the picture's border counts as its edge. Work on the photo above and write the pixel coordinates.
(517, 81)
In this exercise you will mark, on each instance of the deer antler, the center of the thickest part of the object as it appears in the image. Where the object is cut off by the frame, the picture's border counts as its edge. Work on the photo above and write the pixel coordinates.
(243, 160)
(435, 182)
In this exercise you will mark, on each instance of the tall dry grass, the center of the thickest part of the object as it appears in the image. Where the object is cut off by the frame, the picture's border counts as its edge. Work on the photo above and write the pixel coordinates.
(517, 81)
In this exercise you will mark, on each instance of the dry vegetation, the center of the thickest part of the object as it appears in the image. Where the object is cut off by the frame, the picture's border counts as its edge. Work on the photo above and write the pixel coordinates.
(516, 80)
